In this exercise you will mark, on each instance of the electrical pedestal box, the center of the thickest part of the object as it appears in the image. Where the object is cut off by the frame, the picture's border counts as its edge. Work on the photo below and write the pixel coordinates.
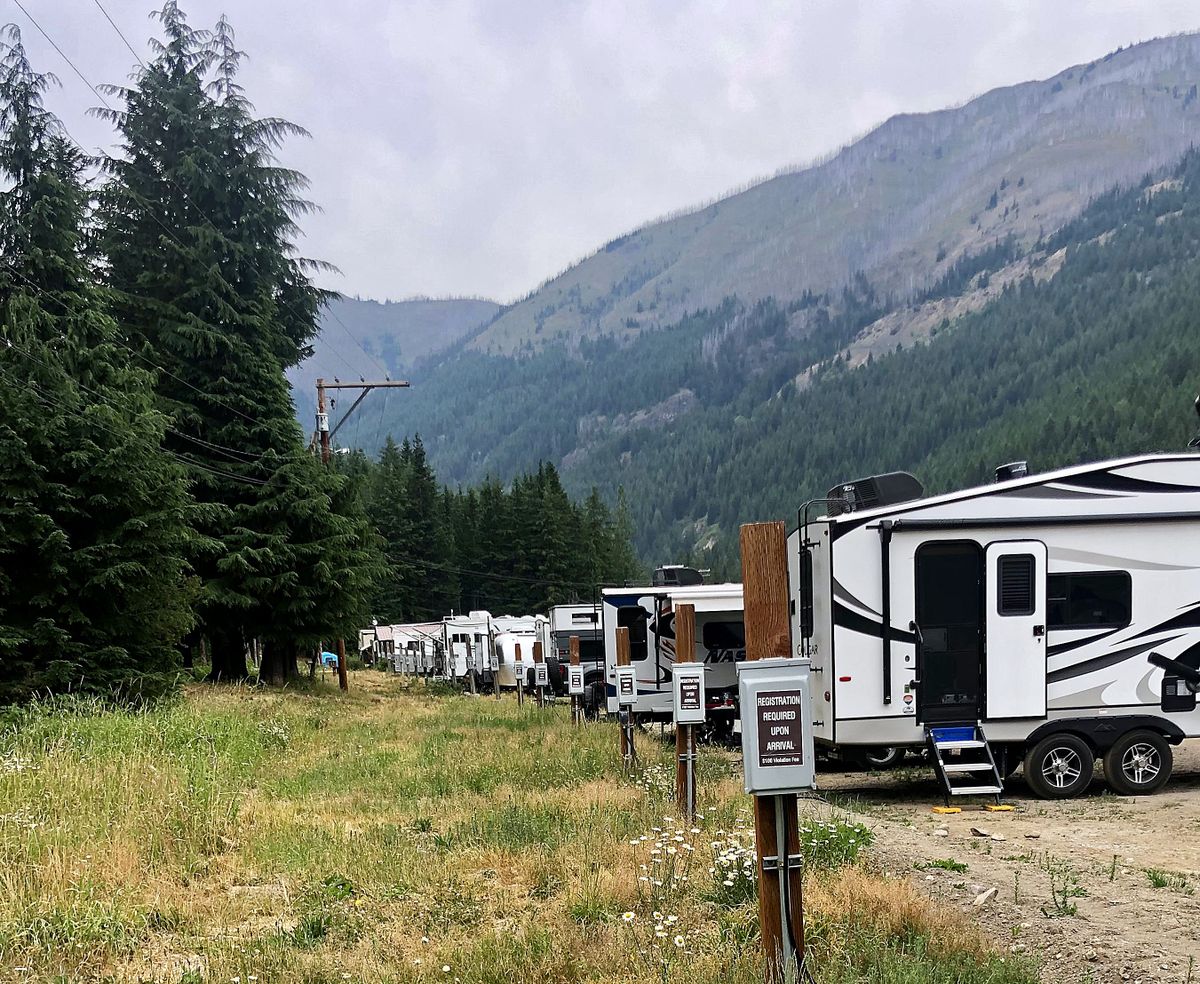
(687, 681)
(541, 675)
(777, 739)
(575, 681)
(626, 686)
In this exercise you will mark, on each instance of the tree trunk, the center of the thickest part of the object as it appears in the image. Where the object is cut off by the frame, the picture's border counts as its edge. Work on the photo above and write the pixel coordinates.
(278, 667)
(228, 656)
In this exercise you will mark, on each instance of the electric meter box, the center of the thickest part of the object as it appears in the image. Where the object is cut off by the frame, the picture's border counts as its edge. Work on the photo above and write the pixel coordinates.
(493, 661)
(687, 681)
(575, 681)
(541, 675)
(519, 671)
(777, 738)
(626, 686)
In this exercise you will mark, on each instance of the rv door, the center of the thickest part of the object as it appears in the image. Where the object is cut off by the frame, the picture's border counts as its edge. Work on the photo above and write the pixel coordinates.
(1015, 660)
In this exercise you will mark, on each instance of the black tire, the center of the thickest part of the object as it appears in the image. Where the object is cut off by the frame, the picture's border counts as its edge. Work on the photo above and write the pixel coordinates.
(1138, 764)
(879, 758)
(593, 699)
(1059, 767)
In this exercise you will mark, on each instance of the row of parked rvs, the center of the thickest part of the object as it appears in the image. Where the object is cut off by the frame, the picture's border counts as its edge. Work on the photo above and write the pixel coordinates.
(1048, 621)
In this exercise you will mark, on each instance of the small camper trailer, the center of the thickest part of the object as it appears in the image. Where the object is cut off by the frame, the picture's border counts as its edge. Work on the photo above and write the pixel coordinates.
(649, 615)
(1048, 620)
(582, 621)
(511, 632)
(467, 640)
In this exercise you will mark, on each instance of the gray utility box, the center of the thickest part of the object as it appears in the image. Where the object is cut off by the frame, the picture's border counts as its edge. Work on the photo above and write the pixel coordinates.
(626, 686)
(575, 681)
(777, 738)
(541, 675)
(687, 682)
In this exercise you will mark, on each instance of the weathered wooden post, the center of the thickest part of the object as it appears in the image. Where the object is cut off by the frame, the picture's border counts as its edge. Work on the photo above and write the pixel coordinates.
(687, 708)
(540, 677)
(575, 681)
(776, 821)
(626, 697)
(519, 673)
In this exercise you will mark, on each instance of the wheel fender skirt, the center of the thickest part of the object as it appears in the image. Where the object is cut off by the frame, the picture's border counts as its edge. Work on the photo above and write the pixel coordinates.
(1103, 732)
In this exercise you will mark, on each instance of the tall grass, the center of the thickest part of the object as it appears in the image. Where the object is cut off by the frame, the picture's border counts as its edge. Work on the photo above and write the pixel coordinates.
(383, 836)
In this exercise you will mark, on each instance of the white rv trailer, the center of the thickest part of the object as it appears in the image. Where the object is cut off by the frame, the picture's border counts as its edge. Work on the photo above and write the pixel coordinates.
(649, 614)
(468, 647)
(1028, 609)
(582, 621)
(510, 631)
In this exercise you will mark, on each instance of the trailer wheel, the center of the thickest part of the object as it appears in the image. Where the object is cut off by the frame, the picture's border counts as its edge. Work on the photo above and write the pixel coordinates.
(880, 757)
(593, 700)
(1138, 764)
(1059, 767)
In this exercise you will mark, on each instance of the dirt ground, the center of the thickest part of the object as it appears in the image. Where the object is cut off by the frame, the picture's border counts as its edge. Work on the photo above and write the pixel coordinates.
(1075, 880)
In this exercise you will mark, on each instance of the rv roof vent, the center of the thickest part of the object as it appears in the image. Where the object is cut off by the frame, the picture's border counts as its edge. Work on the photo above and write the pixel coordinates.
(1014, 469)
(877, 490)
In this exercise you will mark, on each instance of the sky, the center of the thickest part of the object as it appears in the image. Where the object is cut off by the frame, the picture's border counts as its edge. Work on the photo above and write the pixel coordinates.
(468, 147)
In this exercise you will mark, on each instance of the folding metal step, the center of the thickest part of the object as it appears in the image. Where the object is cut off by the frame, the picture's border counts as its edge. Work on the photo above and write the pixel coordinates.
(963, 761)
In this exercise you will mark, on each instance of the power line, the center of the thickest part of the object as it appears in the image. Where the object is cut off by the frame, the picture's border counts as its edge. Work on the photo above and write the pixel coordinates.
(120, 33)
(99, 95)
(497, 577)
(132, 351)
(75, 411)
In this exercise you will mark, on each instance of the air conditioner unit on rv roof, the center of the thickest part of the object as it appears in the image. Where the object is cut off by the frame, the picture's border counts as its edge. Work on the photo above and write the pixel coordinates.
(876, 490)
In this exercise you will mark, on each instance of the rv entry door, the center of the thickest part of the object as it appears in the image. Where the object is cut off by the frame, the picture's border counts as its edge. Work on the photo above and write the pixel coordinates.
(1015, 660)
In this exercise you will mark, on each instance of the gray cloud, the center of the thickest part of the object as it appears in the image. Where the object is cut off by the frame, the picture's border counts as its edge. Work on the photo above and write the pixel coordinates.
(475, 147)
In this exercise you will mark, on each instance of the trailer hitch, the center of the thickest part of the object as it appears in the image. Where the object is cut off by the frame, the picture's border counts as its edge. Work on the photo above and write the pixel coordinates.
(1188, 674)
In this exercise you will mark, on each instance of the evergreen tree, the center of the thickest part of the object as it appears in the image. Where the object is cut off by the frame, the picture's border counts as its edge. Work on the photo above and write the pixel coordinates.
(93, 515)
(198, 228)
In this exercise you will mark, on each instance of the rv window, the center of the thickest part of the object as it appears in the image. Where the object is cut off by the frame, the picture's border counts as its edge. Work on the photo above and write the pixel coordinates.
(634, 618)
(1015, 584)
(806, 593)
(591, 651)
(725, 642)
(1090, 601)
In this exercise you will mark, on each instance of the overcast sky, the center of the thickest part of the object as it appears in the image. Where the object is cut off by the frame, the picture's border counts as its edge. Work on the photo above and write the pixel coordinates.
(475, 147)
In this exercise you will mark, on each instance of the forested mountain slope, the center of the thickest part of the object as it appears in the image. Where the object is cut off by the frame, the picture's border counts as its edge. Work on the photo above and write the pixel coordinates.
(900, 205)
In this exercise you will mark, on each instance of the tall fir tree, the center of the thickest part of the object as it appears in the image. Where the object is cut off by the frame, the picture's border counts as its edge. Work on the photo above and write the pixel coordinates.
(199, 223)
(93, 514)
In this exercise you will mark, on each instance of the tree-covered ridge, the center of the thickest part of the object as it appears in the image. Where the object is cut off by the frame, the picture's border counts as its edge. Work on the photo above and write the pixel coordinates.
(775, 414)
(515, 549)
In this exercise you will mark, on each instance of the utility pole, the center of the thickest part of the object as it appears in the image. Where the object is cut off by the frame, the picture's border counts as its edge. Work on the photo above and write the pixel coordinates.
(776, 821)
(324, 433)
(326, 438)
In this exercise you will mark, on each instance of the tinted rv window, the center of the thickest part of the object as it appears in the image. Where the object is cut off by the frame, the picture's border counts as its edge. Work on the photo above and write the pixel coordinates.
(1090, 601)
(634, 618)
(1015, 588)
(725, 642)
(806, 593)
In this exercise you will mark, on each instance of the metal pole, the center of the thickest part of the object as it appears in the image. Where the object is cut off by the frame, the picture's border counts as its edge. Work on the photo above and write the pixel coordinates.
(767, 620)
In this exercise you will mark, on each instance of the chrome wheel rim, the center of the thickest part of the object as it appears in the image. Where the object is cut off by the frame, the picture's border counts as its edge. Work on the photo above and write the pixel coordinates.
(1141, 763)
(1062, 767)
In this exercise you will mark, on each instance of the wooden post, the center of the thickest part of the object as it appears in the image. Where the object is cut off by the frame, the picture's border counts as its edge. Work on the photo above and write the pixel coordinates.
(685, 734)
(537, 658)
(576, 700)
(519, 673)
(624, 714)
(765, 592)
(342, 682)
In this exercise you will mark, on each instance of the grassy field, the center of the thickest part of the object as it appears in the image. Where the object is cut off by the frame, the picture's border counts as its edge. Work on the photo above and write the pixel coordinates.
(403, 835)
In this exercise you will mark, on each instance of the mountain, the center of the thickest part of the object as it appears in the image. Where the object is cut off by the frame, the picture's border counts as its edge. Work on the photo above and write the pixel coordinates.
(1013, 278)
(396, 334)
(899, 206)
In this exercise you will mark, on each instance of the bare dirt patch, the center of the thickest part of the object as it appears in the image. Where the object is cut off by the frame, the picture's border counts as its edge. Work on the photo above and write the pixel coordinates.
(1100, 888)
